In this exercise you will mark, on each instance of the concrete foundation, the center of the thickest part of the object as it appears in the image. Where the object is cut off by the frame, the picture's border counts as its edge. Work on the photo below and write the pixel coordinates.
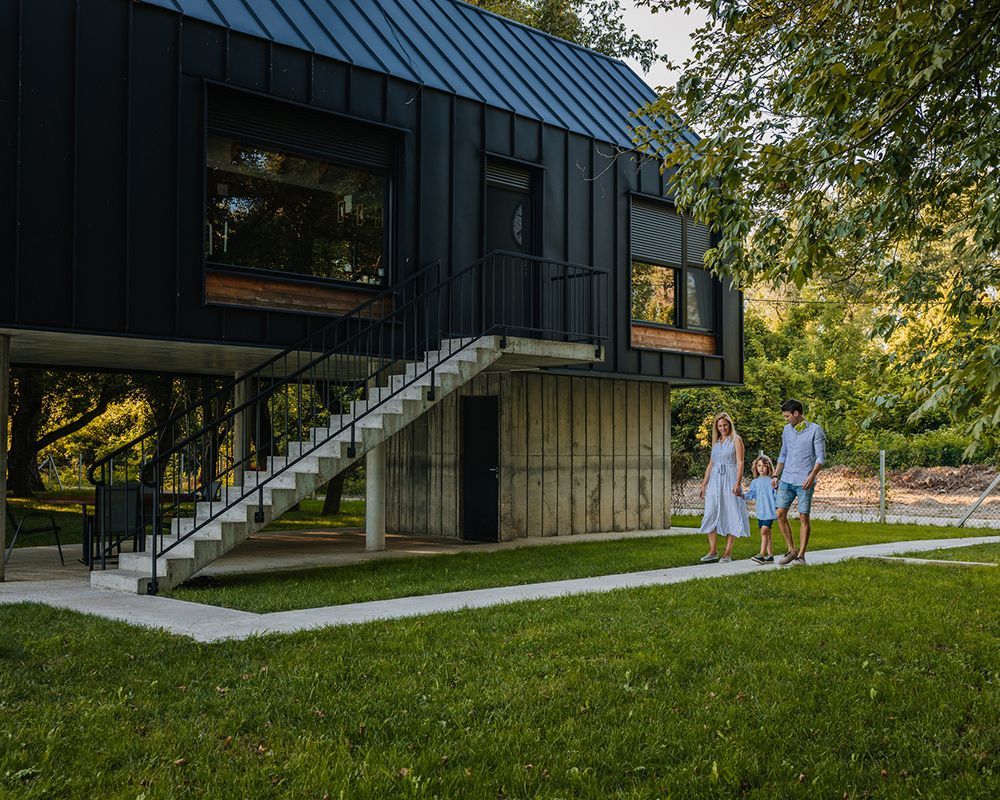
(577, 455)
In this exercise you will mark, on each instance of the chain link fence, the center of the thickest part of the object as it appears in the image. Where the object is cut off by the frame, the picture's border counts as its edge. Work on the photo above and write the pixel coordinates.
(918, 495)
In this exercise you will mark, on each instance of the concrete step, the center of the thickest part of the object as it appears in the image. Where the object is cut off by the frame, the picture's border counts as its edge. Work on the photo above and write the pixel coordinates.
(121, 580)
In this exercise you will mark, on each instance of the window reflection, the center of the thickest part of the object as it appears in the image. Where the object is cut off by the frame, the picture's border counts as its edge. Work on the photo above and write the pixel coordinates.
(277, 211)
(654, 293)
(700, 300)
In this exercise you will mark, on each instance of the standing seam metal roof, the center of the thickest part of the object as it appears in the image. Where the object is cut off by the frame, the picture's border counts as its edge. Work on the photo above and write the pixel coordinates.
(454, 47)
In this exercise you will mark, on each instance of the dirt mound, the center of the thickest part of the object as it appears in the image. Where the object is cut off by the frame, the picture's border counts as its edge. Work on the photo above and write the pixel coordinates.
(967, 478)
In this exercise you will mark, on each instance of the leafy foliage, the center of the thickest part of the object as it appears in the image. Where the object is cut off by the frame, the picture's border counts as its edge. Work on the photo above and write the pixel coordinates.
(855, 143)
(816, 348)
(596, 24)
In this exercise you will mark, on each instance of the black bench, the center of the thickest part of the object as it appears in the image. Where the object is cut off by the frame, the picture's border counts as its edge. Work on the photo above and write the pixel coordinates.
(20, 528)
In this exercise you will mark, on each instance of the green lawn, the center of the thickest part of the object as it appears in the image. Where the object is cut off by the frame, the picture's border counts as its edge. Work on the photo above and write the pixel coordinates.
(307, 518)
(65, 508)
(857, 680)
(381, 580)
(986, 553)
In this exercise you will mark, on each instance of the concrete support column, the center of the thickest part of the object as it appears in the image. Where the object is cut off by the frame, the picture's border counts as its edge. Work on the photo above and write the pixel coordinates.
(240, 430)
(375, 499)
(4, 409)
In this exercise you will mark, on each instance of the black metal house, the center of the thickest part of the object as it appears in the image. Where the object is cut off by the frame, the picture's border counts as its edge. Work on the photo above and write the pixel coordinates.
(258, 188)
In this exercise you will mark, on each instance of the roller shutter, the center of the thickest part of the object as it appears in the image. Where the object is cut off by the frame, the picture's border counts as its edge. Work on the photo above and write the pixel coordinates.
(656, 233)
(310, 132)
(699, 240)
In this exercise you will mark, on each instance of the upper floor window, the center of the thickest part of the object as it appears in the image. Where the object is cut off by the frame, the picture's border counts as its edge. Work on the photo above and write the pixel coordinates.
(273, 209)
(669, 284)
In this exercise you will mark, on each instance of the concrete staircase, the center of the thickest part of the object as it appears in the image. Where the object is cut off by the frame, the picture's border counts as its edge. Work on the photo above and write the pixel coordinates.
(265, 495)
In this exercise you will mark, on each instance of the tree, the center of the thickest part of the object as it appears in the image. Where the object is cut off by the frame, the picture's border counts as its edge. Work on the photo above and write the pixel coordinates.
(596, 24)
(854, 142)
(48, 406)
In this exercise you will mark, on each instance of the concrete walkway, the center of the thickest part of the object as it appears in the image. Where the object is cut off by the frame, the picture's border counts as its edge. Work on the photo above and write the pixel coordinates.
(211, 623)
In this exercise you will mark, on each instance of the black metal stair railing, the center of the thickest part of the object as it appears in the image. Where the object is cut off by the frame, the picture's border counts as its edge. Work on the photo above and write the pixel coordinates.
(321, 389)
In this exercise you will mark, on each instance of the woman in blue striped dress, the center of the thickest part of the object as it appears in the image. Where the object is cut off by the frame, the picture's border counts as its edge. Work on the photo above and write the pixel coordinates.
(722, 490)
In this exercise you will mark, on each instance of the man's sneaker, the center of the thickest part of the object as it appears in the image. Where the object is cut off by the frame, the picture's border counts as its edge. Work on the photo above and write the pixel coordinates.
(709, 558)
(758, 559)
(799, 562)
(788, 557)
(725, 559)
(768, 559)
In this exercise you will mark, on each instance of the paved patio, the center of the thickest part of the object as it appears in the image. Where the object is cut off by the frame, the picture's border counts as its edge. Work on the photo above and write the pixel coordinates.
(275, 551)
(212, 623)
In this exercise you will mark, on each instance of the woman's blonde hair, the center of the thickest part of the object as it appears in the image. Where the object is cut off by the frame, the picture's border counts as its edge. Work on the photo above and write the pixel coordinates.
(715, 426)
(762, 459)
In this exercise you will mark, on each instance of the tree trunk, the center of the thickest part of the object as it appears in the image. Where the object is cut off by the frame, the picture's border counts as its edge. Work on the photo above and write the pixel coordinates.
(334, 494)
(23, 478)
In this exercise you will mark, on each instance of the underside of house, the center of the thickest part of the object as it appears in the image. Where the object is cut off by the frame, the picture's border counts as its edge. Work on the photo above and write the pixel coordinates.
(412, 234)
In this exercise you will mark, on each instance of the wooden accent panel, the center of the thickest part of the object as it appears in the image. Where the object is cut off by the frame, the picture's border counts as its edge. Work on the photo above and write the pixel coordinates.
(577, 455)
(670, 339)
(262, 292)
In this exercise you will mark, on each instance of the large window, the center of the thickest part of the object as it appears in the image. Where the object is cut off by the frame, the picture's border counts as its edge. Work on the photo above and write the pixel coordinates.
(668, 253)
(654, 293)
(274, 210)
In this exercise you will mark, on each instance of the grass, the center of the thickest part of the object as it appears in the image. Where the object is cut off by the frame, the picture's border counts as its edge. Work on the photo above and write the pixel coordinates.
(887, 685)
(65, 508)
(380, 580)
(984, 553)
(308, 518)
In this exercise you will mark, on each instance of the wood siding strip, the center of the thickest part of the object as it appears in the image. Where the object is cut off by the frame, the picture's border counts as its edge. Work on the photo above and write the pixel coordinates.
(669, 339)
(249, 290)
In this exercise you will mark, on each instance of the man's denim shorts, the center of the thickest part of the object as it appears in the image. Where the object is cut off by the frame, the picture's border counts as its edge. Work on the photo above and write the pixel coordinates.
(788, 492)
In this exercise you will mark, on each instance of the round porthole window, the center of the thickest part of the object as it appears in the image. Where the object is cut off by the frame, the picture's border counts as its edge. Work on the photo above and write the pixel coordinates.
(517, 224)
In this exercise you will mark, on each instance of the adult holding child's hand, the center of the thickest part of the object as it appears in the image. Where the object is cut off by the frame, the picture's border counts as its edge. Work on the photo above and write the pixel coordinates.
(722, 490)
(803, 451)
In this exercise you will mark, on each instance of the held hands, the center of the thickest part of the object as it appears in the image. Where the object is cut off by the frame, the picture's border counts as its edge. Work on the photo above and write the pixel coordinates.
(774, 483)
(737, 489)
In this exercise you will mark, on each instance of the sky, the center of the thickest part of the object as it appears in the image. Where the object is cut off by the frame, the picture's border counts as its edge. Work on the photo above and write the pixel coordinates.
(672, 30)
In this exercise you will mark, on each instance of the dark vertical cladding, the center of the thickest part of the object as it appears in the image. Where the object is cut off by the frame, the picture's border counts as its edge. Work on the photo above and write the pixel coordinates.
(9, 153)
(47, 52)
(103, 150)
(153, 87)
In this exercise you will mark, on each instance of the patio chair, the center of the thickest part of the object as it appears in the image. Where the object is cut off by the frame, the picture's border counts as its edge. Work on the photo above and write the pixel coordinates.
(20, 528)
(122, 513)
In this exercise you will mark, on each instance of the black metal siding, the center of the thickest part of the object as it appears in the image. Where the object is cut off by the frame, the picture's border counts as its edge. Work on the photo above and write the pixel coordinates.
(102, 172)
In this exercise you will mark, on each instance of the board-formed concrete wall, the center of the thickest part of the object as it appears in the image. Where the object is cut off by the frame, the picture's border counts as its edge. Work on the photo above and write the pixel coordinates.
(577, 455)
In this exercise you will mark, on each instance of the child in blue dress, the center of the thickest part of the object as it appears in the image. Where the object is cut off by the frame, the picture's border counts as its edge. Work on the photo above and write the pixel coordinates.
(763, 492)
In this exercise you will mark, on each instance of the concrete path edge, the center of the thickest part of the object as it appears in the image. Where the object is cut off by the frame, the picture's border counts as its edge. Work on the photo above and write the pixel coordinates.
(206, 623)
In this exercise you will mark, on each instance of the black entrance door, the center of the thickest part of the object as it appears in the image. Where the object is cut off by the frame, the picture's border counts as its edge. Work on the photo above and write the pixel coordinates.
(512, 288)
(480, 469)
(509, 220)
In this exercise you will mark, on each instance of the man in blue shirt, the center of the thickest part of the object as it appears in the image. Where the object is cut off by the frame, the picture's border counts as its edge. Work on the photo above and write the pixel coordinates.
(803, 451)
